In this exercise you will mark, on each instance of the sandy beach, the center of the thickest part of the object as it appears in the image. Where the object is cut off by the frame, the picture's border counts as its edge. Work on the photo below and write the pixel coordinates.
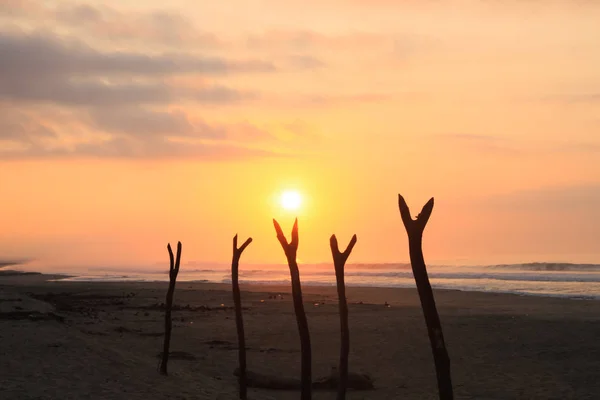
(75, 340)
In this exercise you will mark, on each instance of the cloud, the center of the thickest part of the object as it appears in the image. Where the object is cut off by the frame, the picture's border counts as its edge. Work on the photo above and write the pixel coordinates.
(141, 123)
(128, 132)
(157, 26)
(483, 144)
(44, 68)
(304, 40)
(48, 55)
(575, 199)
(576, 99)
(322, 100)
(304, 62)
(105, 22)
(512, 146)
(157, 148)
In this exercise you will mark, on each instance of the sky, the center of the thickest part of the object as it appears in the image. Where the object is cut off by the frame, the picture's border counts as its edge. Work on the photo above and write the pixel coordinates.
(125, 125)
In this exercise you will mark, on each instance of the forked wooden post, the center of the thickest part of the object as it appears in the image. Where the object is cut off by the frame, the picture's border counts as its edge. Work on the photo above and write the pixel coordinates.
(339, 261)
(290, 250)
(414, 229)
(239, 321)
(173, 271)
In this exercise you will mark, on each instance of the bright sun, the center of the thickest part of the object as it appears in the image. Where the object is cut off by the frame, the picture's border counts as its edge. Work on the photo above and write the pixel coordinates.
(291, 200)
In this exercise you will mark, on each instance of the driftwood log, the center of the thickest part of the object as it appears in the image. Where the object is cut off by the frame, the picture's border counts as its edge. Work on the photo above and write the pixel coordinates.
(291, 250)
(414, 229)
(355, 381)
(339, 261)
(173, 271)
(239, 321)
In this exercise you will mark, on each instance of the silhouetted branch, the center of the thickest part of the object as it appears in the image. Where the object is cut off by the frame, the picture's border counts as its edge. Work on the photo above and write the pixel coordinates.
(239, 321)
(290, 250)
(339, 261)
(414, 229)
(173, 271)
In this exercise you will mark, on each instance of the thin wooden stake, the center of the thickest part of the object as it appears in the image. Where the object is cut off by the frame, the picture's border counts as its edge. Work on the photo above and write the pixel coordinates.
(173, 271)
(414, 229)
(291, 250)
(239, 321)
(339, 261)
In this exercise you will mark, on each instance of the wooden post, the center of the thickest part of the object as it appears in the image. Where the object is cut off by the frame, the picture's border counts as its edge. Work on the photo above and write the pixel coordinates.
(239, 321)
(173, 271)
(339, 261)
(290, 250)
(414, 229)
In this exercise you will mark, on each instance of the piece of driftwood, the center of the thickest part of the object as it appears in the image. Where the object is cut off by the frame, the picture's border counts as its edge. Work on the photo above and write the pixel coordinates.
(339, 261)
(355, 381)
(239, 321)
(414, 229)
(291, 250)
(173, 271)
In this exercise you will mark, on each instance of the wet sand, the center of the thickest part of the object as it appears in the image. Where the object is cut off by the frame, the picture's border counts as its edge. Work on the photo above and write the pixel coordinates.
(75, 340)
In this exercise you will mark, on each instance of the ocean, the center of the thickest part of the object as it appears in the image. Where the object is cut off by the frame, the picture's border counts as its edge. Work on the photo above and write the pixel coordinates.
(579, 281)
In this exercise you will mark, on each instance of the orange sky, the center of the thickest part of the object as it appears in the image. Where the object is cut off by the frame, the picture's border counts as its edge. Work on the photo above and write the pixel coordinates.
(125, 125)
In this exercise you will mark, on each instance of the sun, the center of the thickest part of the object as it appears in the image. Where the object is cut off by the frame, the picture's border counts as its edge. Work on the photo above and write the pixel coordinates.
(291, 200)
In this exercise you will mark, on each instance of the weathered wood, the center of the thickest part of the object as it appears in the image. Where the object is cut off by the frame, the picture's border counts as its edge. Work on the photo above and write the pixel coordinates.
(173, 271)
(414, 229)
(239, 321)
(339, 262)
(356, 381)
(291, 250)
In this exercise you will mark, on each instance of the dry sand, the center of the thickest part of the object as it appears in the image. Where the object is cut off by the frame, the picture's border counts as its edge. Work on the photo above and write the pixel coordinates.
(74, 340)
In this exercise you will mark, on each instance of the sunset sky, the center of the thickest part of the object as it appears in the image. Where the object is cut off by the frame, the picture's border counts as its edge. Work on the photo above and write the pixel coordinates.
(126, 124)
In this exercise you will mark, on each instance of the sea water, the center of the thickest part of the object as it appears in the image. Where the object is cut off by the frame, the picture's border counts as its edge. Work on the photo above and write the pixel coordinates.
(544, 279)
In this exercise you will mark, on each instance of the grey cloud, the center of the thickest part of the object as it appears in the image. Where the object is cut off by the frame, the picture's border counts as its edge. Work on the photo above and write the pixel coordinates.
(147, 124)
(38, 55)
(37, 68)
(105, 22)
(18, 126)
(217, 94)
(157, 148)
(138, 121)
(70, 92)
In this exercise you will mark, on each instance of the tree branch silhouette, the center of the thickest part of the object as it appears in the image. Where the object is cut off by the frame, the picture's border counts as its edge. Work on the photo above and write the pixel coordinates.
(414, 229)
(339, 262)
(239, 321)
(173, 271)
(290, 249)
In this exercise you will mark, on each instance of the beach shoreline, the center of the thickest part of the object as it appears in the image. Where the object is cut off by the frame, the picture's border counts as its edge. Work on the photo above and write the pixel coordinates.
(100, 340)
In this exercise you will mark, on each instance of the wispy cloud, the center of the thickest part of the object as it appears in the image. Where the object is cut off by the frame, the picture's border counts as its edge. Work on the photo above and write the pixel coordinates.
(131, 132)
(512, 146)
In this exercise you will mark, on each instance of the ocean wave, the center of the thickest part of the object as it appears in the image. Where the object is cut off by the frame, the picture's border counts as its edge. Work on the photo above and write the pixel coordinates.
(547, 266)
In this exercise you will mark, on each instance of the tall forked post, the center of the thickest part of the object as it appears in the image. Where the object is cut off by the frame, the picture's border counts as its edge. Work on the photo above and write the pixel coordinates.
(239, 321)
(414, 229)
(173, 271)
(339, 261)
(291, 250)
